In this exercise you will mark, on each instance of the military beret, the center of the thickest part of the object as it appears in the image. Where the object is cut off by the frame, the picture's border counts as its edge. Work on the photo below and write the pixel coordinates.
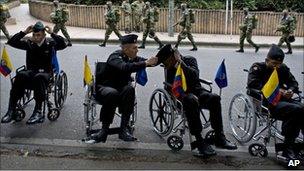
(164, 53)
(38, 27)
(128, 39)
(276, 53)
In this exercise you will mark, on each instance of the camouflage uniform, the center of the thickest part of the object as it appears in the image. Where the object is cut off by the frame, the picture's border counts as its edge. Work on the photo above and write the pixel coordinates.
(4, 15)
(246, 31)
(186, 21)
(59, 17)
(112, 17)
(126, 7)
(137, 8)
(287, 27)
(150, 17)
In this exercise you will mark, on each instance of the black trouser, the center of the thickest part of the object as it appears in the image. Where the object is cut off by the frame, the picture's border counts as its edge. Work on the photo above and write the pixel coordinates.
(192, 105)
(28, 79)
(292, 114)
(111, 98)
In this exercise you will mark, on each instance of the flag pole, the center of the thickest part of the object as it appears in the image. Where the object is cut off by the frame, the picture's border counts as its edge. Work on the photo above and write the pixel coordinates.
(220, 92)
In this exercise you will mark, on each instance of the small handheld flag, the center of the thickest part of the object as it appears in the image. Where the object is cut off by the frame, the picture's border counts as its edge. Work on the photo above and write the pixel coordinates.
(87, 74)
(141, 77)
(55, 64)
(179, 85)
(221, 76)
(6, 66)
(271, 89)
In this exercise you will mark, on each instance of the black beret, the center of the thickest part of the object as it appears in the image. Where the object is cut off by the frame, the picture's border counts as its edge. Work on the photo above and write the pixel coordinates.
(276, 53)
(38, 27)
(128, 39)
(165, 52)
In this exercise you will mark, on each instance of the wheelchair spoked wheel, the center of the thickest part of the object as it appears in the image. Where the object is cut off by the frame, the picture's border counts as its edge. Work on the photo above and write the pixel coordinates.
(175, 142)
(205, 119)
(53, 114)
(61, 89)
(242, 118)
(257, 149)
(161, 112)
(20, 115)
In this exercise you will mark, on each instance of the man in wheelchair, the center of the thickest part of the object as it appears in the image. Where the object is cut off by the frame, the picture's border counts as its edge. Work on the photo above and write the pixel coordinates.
(196, 97)
(38, 70)
(113, 88)
(290, 111)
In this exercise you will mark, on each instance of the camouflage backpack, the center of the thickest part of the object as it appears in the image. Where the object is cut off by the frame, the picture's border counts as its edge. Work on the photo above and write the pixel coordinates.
(254, 21)
(156, 14)
(65, 14)
(192, 17)
(117, 14)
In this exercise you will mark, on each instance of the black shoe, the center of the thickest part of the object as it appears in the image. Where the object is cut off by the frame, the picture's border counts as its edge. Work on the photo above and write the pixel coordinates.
(240, 50)
(202, 149)
(257, 49)
(289, 154)
(69, 44)
(222, 142)
(126, 135)
(8, 117)
(193, 49)
(102, 45)
(288, 52)
(37, 117)
(142, 47)
(100, 136)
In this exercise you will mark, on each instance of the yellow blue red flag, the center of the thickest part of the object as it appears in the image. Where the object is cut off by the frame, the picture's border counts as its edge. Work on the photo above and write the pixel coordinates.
(271, 89)
(87, 74)
(179, 85)
(6, 66)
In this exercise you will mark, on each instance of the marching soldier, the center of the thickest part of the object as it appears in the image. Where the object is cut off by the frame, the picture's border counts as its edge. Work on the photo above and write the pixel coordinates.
(186, 21)
(137, 8)
(4, 15)
(59, 17)
(287, 27)
(150, 17)
(126, 7)
(112, 17)
(250, 23)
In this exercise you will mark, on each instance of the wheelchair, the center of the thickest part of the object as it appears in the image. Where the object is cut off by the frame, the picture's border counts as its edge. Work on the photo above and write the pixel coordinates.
(90, 105)
(56, 93)
(250, 119)
(167, 115)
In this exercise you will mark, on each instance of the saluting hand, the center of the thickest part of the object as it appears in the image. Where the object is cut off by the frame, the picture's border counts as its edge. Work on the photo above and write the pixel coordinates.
(48, 29)
(29, 29)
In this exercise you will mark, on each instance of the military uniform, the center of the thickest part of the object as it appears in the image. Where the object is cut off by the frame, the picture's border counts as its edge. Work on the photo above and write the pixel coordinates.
(287, 27)
(37, 74)
(246, 31)
(186, 21)
(137, 8)
(4, 15)
(59, 17)
(112, 17)
(126, 7)
(287, 110)
(150, 17)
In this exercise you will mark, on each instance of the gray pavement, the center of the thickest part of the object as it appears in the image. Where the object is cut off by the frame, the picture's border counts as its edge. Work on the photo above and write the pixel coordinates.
(78, 34)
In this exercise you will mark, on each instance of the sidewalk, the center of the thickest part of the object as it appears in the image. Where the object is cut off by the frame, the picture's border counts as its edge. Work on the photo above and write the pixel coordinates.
(88, 35)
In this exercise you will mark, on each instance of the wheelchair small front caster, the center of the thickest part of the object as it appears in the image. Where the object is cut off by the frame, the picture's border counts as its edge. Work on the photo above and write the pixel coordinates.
(53, 114)
(257, 149)
(175, 142)
(20, 115)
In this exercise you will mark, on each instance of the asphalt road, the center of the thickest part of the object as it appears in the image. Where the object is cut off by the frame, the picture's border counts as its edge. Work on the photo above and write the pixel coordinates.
(70, 125)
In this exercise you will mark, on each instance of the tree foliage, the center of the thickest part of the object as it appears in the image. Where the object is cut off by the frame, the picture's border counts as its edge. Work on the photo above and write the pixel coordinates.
(255, 5)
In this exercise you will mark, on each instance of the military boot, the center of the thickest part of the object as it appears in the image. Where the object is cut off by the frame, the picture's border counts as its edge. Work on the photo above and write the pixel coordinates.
(100, 136)
(103, 44)
(37, 116)
(257, 49)
(241, 50)
(125, 133)
(11, 113)
(69, 43)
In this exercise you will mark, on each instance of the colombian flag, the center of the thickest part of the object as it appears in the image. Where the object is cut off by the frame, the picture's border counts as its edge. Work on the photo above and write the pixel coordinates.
(6, 66)
(271, 89)
(179, 85)
(87, 74)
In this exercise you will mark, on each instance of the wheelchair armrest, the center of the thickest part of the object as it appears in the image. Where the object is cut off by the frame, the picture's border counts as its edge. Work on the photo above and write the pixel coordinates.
(23, 67)
(255, 93)
(204, 81)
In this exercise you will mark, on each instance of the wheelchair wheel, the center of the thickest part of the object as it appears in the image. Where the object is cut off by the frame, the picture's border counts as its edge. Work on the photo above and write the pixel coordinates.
(242, 118)
(175, 142)
(258, 149)
(205, 119)
(20, 115)
(53, 114)
(161, 112)
(27, 97)
(61, 89)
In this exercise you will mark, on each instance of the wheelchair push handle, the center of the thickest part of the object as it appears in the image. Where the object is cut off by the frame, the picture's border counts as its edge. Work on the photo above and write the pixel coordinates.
(23, 67)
